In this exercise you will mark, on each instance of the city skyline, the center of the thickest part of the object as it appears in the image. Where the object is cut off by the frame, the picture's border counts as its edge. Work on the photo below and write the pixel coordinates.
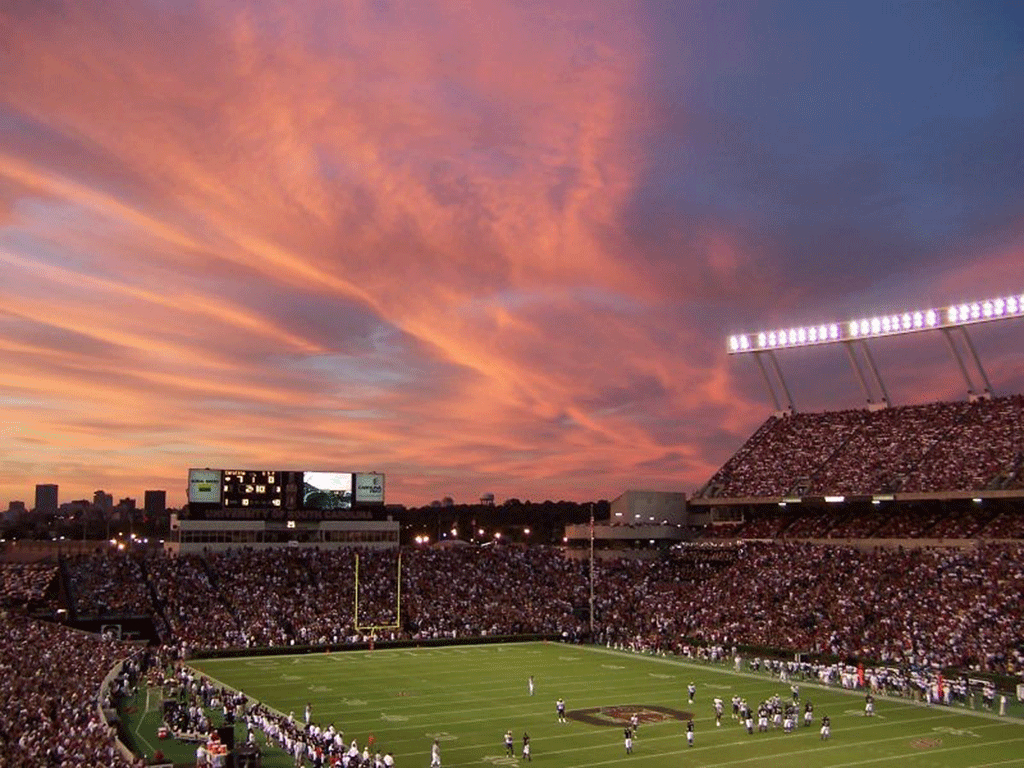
(495, 248)
(47, 498)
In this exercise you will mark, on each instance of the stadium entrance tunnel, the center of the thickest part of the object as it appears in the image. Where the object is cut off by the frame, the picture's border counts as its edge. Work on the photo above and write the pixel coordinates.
(619, 715)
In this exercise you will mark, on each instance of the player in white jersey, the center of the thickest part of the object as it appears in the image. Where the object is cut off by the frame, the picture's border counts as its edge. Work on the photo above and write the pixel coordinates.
(529, 685)
(719, 706)
(435, 754)
(560, 709)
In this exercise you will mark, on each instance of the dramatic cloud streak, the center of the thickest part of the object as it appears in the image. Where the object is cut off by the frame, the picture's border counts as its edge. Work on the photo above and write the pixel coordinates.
(493, 247)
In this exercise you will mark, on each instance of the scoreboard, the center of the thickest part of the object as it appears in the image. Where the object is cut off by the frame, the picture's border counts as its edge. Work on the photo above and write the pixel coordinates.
(244, 488)
(233, 490)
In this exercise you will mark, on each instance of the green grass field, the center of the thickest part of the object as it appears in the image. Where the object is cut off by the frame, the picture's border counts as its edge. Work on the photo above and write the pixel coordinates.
(468, 696)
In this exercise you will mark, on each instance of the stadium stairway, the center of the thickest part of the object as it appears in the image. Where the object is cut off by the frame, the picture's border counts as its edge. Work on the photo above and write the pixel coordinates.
(712, 488)
(213, 578)
(66, 591)
(159, 613)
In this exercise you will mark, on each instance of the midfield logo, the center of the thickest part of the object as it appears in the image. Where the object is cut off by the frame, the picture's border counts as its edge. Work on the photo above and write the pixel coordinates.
(618, 716)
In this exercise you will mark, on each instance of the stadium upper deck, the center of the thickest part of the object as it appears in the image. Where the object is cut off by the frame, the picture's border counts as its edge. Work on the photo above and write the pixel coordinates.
(922, 451)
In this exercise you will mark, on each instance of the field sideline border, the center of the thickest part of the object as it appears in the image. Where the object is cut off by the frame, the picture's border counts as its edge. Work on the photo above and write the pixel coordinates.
(266, 738)
(142, 718)
(782, 755)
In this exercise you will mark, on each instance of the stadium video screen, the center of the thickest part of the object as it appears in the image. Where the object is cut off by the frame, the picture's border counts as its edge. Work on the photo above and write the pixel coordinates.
(326, 490)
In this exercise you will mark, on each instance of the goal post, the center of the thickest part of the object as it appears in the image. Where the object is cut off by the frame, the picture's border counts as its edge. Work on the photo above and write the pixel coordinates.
(372, 629)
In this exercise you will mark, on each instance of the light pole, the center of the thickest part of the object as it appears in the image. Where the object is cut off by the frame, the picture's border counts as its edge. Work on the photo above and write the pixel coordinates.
(591, 572)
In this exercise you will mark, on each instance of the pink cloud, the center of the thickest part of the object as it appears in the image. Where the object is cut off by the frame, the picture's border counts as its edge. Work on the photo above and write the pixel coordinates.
(273, 234)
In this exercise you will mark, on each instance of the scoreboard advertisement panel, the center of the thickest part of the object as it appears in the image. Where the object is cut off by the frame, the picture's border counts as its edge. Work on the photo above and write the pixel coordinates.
(273, 494)
(369, 488)
(204, 486)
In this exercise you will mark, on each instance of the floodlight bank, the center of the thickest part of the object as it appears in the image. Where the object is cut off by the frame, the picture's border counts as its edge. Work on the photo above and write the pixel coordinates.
(900, 323)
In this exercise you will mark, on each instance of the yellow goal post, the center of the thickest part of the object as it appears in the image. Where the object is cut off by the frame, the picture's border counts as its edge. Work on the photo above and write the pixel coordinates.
(372, 629)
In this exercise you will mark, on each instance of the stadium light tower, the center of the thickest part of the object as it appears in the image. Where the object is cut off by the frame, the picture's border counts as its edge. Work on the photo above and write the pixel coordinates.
(953, 321)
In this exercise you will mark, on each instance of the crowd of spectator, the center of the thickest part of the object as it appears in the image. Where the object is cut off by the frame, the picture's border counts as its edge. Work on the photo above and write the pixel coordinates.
(25, 583)
(1007, 525)
(952, 446)
(951, 608)
(984, 449)
(889, 445)
(108, 584)
(784, 453)
(493, 591)
(958, 607)
(193, 612)
(48, 703)
(303, 596)
(908, 520)
(918, 607)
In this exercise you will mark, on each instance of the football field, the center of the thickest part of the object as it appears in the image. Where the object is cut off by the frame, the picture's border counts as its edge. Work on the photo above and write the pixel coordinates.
(467, 697)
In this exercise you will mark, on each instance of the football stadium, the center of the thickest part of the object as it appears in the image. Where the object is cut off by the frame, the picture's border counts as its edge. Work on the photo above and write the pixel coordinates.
(480, 384)
(846, 590)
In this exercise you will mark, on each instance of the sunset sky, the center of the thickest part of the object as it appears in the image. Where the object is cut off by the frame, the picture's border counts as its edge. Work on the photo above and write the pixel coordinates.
(485, 246)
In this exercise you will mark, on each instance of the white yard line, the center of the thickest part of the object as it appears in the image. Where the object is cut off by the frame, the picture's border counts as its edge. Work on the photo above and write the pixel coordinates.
(845, 746)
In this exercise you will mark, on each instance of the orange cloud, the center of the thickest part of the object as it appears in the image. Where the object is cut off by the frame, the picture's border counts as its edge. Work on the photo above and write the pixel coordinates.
(297, 234)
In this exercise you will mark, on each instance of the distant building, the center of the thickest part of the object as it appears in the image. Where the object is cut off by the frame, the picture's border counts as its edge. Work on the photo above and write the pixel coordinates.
(46, 500)
(487, 500)
(649, 508)
(74, 508)
(642, 524)
(126, 505)
(155, 503)
(103, 501)
(15, 512)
